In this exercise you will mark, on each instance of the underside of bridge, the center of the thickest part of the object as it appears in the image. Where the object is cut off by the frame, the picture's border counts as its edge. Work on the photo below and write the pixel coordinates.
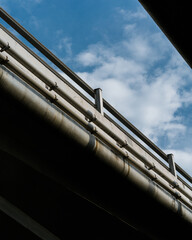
(45, 176)
(57, 209)
(48, 182)
(53, 186)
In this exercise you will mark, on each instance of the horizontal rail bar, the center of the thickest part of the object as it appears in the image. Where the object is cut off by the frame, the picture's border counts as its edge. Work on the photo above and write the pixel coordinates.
(183, 173)
(30, 38)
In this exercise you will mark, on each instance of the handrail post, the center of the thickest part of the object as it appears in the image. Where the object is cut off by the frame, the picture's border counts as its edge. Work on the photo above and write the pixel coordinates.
(172, 164)
(99, 100)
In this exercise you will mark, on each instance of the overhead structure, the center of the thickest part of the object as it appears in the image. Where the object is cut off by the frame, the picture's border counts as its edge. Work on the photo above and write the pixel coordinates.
(174, 19)
(67, 167)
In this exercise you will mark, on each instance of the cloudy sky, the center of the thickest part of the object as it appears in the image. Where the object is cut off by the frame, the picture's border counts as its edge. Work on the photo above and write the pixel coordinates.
(115, 45)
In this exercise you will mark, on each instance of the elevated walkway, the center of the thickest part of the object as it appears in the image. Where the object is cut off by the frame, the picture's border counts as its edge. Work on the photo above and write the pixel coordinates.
(67, 167)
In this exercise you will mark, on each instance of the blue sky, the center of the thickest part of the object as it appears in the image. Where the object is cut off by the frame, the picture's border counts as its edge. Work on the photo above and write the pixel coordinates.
(116, 45)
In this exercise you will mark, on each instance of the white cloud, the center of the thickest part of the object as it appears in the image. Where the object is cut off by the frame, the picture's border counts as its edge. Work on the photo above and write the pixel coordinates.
(142, 77)
(23, 4)
(128, 28)
(35, 22)
(4, 5)
(130, 15)
(95, 55)
(88, 58)
(151, 105)
(29, 2)
(64, 44)
(144, 46)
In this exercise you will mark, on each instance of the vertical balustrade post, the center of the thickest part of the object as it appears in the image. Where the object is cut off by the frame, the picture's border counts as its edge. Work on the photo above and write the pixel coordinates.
(172, 164)
(99, 100)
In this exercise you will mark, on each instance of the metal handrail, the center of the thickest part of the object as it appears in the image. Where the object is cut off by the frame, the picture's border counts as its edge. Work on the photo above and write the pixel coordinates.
(38, 45)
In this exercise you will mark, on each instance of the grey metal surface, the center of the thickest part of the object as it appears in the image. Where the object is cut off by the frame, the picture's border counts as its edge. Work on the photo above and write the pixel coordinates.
(43, 80)
(123, 167)
(34, 85)
(90, 114)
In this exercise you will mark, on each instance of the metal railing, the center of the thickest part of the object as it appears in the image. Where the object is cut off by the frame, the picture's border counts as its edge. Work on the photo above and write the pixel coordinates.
(100, 103)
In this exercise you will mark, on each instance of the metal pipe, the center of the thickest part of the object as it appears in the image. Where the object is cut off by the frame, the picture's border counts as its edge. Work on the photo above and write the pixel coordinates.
(86, 140)
(164, 174)
(29, 78)
(159, 180)
(27, 63)
(69, 109)
(97, 119)
(93, 115)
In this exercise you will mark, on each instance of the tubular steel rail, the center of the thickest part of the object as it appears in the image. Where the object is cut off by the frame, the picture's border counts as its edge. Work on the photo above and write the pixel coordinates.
(100, 103)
